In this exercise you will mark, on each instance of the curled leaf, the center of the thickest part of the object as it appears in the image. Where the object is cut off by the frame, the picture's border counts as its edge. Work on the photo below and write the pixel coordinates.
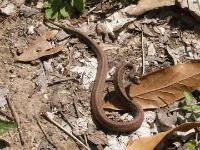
(150, 143)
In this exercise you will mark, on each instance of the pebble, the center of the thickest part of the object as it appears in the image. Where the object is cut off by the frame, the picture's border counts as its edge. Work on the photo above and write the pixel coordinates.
(28, 11)
(8, 9)
(31, 30)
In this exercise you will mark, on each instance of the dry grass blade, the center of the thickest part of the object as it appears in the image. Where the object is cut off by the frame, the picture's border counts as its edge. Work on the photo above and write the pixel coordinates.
(166, 86)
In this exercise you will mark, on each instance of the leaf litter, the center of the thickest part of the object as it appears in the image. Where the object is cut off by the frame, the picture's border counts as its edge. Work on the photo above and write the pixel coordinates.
(149, 127)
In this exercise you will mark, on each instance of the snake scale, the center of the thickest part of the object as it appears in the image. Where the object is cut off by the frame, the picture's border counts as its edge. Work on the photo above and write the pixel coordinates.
(99, 86)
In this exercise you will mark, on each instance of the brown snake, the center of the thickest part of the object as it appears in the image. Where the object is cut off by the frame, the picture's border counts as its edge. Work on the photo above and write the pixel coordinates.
(99, 86)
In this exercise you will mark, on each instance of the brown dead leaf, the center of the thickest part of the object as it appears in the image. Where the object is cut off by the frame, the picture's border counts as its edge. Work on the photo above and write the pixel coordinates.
(162, 87)
(147, 5)
(166, 86)
(39, 48)
(149, 143)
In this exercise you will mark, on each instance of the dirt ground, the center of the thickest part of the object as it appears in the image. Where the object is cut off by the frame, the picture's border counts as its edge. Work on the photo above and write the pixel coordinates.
(28, 84)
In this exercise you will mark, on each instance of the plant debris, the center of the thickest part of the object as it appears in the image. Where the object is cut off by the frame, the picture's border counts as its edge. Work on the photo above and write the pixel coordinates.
(46, 70)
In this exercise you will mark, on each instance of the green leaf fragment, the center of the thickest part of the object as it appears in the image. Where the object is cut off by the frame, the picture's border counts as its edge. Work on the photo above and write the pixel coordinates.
(79, 5)
(50, 14)
(191, 145)
(6, 126)
(47, 5)
(195, 107)
(64, 12)
(189, 97)
(186, 108)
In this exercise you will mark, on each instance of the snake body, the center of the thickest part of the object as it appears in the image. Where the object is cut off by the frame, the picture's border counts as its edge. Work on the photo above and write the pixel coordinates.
(99, 86)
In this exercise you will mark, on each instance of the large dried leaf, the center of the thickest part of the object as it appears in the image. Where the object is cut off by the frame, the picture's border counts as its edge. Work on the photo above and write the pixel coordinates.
(150, 143)
(39, 48)
(162, 87)
(166, 86)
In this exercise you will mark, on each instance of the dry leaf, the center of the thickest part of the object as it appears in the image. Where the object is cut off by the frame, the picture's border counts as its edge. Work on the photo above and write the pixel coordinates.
(39, 48)
(162, 87)
(147, 5)
(149, 143)
(33, 55)
(166, 86)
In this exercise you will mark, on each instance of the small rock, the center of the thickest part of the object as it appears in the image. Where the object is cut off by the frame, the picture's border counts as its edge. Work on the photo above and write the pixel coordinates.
(9, 9)
(61, 35)
(48, 68)
(151, 50)
(28, 11)
(113, 143)
(123, 140)
(31, 30)
(111, 72)
(144, 130)
(146, 63)
(3, 93)
(126, 117)
(150, 117)
(77, 55)
(98, 138)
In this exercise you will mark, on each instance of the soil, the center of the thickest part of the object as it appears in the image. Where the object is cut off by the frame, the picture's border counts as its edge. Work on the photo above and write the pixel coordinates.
(69, 99)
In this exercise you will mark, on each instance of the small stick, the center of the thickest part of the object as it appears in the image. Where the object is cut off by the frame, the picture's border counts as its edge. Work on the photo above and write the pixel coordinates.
(16, 118)
(45, 135)
(66, 120)
(75, 100)
(47, 116)
(143, 55)
(61, 80)
(86, 141)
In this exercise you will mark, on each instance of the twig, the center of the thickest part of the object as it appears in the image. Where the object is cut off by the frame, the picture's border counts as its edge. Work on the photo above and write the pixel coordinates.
(45, 135)
(143, 55)
(93, 8)
(65, 119)
(86, 141)
(75, 100)
(16, 118)
(61, 80)
(47, 116)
